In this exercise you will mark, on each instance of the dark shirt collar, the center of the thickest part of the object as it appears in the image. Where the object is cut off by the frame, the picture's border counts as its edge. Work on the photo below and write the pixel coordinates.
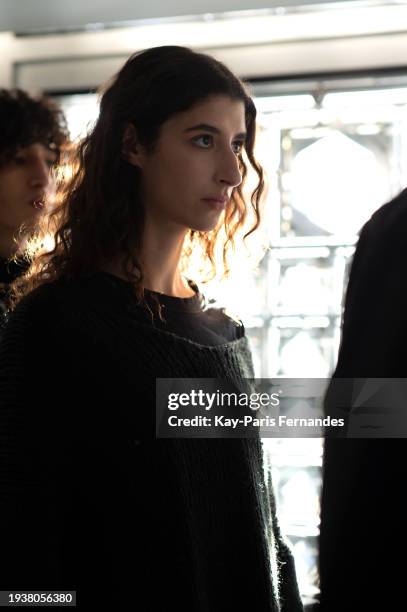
(195, 303)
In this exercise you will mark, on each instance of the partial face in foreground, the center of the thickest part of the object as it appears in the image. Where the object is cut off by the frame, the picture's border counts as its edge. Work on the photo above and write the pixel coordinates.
(190, 176)
(24, 183)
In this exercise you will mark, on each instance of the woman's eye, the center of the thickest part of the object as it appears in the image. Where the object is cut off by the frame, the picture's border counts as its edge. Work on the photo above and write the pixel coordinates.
(204, 138)
(19, 160)
(207, 141)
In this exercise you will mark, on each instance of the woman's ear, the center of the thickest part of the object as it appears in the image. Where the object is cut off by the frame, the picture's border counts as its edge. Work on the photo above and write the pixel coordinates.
(132, 151)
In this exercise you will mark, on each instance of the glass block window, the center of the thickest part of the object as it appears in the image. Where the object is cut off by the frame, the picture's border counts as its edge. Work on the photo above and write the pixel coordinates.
(334, 153)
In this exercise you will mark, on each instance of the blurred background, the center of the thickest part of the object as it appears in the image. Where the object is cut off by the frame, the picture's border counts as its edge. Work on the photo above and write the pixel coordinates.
(329, 80)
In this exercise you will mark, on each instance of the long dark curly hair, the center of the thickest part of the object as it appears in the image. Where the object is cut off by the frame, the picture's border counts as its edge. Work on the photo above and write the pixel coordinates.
(100, 216)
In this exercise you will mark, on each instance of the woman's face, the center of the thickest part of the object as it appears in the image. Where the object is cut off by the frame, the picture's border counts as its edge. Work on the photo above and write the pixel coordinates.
(195, 162)
(24, 183)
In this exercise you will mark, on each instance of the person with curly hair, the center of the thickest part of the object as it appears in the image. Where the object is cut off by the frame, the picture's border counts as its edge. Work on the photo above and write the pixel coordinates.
(91, 501)
(31, 136)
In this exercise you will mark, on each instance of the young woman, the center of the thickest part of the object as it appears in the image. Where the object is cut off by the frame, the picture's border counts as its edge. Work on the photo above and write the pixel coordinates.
(91, 501)
(32, 134)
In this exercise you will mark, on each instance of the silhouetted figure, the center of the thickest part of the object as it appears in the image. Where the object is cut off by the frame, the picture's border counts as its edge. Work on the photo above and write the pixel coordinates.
(363, 537)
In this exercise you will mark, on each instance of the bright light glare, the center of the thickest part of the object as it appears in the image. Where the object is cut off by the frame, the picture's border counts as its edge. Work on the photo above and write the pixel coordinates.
(81, 111)
(377, 97)
(337, 183)
(301, 357)
(268, 104)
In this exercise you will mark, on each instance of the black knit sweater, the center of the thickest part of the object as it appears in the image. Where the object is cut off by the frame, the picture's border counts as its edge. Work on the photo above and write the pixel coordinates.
(91, 502)
(9, 271)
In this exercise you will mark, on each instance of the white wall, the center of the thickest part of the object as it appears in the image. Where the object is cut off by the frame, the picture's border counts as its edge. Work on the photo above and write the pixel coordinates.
(339, 39)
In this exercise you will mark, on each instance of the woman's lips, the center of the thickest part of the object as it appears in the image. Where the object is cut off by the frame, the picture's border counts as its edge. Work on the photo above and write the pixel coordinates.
(37, 204)
(215, 203)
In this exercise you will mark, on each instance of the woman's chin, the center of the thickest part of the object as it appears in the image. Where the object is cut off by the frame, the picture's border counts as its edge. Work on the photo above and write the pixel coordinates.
(205, 225)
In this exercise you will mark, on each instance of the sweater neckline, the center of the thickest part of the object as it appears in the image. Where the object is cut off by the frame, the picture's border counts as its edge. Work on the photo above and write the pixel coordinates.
(229, 345)
(216, 348)
(195, 303)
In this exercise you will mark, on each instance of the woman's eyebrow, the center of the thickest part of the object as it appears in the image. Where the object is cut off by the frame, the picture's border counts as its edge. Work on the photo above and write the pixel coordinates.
(211, 128)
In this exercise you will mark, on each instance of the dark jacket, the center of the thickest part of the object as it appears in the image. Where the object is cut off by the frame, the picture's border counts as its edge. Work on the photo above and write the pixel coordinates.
(363, 509)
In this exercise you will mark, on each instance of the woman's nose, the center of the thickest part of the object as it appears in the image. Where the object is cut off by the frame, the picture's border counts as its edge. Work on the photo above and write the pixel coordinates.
(229, 170)
(40, 175)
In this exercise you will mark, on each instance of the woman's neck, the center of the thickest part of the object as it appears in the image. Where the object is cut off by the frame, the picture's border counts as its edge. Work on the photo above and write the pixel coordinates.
(159, 260)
